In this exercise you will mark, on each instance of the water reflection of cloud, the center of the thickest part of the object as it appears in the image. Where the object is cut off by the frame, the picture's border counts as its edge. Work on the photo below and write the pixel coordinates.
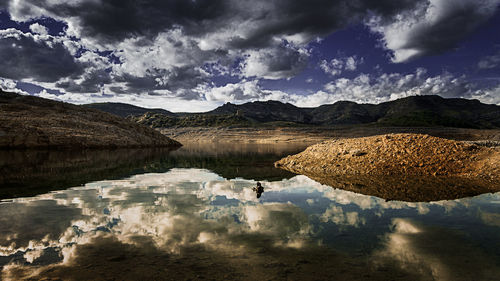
(435, 253)
(340, 217)
(26, 225)
(187, 208)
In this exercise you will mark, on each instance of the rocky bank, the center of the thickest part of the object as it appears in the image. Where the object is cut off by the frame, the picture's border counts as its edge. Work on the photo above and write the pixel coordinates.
(409, 167)
(27, 121)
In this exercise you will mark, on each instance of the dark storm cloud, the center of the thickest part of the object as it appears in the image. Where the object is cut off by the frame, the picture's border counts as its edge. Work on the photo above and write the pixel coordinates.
(23, 57)
(115, 20)
(177, 79)
(315, 18)
(275, 63)
(454, 22)
(90, 84)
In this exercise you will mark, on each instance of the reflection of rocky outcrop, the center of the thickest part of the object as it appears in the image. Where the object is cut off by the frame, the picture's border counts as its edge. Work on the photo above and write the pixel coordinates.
(30, 172)
(235, 160)
(27, 121)
(409, 167)
(408, 188)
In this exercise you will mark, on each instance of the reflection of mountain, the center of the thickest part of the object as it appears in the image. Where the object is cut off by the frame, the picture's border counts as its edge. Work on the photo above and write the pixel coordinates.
(27, 173)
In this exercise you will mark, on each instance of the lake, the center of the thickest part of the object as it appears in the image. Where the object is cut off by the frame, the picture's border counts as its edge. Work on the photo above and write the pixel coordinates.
(192, 214)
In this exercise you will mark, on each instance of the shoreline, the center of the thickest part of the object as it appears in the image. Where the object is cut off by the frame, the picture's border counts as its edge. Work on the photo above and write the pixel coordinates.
(311, 135)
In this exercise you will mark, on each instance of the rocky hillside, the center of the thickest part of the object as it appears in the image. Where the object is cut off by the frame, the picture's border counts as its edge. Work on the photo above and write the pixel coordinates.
(124, 109)
(415, 111)
(265, 111)
(156, 120)
(410, 167)
(27, 121)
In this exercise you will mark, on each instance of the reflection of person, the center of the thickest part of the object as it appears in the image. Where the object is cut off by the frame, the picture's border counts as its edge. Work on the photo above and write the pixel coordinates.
(259, 189)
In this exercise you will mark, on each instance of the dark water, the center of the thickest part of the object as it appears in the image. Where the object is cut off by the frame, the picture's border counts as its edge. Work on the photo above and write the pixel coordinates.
(191, 214)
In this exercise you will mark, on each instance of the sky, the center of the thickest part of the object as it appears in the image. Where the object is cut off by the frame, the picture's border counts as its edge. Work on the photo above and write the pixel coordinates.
(195, 55)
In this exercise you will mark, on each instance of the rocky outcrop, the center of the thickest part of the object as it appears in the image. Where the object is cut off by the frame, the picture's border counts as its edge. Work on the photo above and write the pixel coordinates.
(27, 121)
(409, 167)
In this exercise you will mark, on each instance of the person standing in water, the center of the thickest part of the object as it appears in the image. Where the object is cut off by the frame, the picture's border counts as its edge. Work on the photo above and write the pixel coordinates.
(259, 189)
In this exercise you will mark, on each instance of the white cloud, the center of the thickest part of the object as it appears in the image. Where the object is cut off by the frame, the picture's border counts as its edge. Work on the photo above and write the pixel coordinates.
(244, 91)
(8, 85)
(336, 66)
(39, 29)
(376, 89)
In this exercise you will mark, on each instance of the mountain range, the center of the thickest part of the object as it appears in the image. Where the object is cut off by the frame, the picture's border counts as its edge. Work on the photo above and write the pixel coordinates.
(420, 111)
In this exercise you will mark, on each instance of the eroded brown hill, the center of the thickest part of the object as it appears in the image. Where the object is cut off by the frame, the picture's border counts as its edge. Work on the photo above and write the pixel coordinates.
(27, 121)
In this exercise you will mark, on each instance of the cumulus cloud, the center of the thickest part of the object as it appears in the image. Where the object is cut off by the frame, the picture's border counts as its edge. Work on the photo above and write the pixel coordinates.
(337, 65)
(375, 89)
(243, 91)
(39, 29)
(364, 88)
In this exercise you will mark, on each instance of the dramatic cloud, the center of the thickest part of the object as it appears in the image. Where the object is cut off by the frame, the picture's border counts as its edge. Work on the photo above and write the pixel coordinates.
(431, 28)
(175, 49)
(36, 57)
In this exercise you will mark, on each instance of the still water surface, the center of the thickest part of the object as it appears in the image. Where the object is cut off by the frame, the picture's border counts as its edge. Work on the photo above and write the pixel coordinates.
(192, 214)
